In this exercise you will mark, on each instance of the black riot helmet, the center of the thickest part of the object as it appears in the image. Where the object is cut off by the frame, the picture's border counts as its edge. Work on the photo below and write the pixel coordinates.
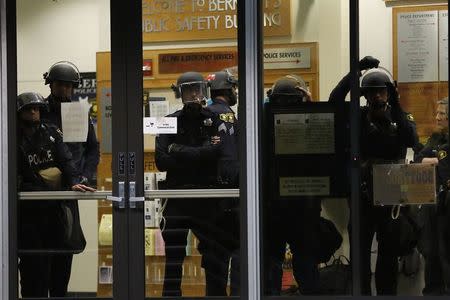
(191, 87)
(222, 80)
(30, 99)
(63, 71)
(223, 84)
(288, 89)
(375, 78)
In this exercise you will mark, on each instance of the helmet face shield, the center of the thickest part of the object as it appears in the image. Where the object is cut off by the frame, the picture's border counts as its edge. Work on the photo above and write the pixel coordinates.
(194, 92)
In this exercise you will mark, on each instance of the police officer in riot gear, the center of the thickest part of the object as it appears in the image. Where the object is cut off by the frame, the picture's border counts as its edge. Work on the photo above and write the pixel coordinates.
(44, 164)
(190, 160)
(430, 242)
(63, 77)
(386, 132)
(221, 247)
(289, 221)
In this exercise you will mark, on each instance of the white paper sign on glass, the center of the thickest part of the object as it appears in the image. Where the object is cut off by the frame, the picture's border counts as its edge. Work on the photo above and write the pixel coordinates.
(404, 184)
(164, 125)
(417, 46)
(159, 109)
(75, 121)
(443, 45)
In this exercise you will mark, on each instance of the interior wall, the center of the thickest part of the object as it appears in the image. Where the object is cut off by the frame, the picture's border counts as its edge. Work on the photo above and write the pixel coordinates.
(375, 38)
(79, 28)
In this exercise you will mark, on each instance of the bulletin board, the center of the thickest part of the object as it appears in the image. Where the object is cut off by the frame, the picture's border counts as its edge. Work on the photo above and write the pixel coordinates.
(420, 61)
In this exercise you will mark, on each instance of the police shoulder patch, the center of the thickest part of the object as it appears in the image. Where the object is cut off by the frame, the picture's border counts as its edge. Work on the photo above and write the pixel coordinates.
(442, 154)
(227, 117)
(410, 117)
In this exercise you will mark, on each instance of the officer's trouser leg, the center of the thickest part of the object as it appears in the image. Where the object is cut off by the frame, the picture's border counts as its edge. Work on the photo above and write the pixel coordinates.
(174, 235)
(34, 275)
(367, 231)
(444, 251)
(434, 283)
(302, 221)
(60, 269)
(387, 260)
(275, 249)
(216, 273)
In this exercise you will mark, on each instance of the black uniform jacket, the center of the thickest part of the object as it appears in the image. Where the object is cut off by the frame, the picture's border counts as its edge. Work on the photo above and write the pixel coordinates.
(380, 141)
(43, 150)
(228, 130)
(194, 164)
(45, 224)
(85, 155)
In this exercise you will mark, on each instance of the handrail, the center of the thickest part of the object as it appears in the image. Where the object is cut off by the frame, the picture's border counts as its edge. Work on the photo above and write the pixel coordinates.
(151, 194)
(194, 193)
(64, 195)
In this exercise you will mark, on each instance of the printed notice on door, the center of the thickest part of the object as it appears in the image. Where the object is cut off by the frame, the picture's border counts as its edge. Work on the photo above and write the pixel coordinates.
(404, 184)
(306, 133)
(75, 121)
(304, 186)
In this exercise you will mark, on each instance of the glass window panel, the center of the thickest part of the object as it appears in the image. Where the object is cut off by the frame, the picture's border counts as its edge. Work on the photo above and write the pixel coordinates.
(411, 45)
(304, 206)
(190, 143)
(65, 246)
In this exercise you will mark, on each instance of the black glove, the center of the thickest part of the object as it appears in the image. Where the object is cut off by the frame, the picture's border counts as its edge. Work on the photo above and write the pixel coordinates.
(174, 148)
(368, 62)
(393, 95)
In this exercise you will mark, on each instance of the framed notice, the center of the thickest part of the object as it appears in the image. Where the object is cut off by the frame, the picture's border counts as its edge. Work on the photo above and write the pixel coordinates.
(443, 45)
(420, 61)
(304, 133)
(417, 46)
(404, 184)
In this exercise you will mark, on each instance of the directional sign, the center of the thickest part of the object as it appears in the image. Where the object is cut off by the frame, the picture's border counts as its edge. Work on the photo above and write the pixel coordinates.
(287, 58)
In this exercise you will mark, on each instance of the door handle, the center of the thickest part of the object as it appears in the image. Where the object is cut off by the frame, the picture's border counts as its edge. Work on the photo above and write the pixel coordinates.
(120, 198)
(133, 199)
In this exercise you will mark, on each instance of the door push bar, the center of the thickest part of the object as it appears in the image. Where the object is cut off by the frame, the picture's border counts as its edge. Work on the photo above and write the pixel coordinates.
(121, 198)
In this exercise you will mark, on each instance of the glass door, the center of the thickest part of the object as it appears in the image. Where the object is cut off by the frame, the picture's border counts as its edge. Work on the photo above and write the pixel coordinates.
(72, 159)
(190, 132)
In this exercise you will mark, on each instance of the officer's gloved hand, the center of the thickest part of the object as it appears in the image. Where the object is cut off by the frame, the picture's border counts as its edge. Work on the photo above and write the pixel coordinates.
(393, 97)
(368, 62)
(173, 148)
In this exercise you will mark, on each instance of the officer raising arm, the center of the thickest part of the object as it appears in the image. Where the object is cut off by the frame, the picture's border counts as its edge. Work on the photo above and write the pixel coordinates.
(385, 133)
(44, 164)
